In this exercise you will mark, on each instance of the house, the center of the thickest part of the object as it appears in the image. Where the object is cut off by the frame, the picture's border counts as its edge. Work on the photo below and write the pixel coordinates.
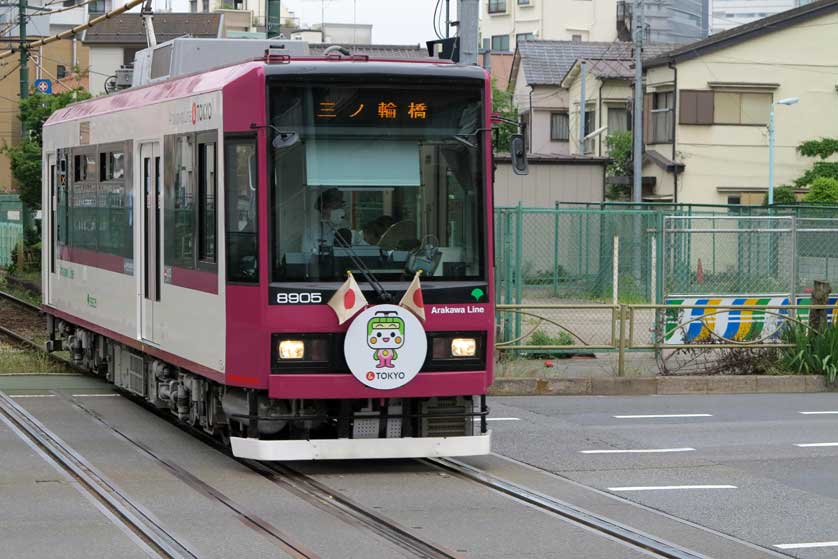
(707, 106)
(541, 94)
(608, 100)
(114, 42)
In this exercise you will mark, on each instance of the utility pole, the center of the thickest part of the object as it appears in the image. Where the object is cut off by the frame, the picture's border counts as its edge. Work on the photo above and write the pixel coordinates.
(637, 27)
(24, 57)
(447, 19)
(468, 12)
(583, 105)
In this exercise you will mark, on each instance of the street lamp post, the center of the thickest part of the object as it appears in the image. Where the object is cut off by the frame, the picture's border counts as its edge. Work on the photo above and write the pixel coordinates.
(788, 101)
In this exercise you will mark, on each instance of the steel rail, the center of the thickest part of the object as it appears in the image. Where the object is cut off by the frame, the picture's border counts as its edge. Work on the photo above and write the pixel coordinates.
(338, 504)
(21, 302)
(620, 532)
(290, 480)
(295, 549)
(116, 505)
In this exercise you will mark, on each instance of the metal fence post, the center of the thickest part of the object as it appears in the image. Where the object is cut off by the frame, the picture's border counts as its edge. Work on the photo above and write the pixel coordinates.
(519, 286)
(615, 271)
(621, 355)
(556, 252)
(507, 227)
(795, 263)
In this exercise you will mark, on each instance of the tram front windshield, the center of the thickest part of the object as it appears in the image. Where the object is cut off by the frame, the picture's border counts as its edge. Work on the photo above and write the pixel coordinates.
(383, 178)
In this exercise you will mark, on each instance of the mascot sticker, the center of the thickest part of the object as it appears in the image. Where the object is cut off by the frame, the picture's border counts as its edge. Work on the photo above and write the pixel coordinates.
(385, 347)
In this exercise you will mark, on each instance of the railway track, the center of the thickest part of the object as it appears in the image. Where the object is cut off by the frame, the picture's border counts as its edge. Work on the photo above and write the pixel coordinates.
(624, 534)
(21, 320)
(141, 528)
(336, 504)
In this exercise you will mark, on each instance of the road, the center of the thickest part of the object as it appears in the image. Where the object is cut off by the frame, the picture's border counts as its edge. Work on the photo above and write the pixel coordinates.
(738, 464)
(720, 476)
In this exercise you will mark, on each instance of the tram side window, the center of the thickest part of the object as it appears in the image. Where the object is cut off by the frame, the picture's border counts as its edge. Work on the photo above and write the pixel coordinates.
(207, 190)
(190, 214)
(98, 203)
(240, 172)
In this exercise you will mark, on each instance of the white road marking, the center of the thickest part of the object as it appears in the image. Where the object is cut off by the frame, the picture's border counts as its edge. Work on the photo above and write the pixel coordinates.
(637, 451)
(110, 395)
(670, 487)
(32, 395)
(819, 412)
(806, 545)
(809, 445)
(667, 415)
(500, 419)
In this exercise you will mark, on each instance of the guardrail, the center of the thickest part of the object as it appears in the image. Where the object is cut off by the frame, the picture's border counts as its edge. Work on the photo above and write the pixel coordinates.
(651, 327)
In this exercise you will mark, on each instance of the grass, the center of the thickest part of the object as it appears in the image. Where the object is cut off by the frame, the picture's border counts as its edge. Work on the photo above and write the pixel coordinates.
(813, 353)
(16, 361)
(23, 294)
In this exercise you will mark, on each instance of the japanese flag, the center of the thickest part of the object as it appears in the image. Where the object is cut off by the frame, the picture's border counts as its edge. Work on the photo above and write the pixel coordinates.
(347, 300)
(412, 299)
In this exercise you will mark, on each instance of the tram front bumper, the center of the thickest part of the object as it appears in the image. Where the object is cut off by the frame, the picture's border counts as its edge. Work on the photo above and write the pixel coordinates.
(354, 449)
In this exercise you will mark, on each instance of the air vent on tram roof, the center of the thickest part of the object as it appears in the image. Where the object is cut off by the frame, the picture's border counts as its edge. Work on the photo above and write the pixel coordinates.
(185, 55)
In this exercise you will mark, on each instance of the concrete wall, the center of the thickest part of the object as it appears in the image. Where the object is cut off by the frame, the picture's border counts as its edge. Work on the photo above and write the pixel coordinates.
(104, 61)
(804, 64)
(548, 182)
(557, 20)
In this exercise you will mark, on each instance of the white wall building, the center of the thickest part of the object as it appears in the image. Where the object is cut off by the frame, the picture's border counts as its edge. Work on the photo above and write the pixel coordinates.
(726, 14)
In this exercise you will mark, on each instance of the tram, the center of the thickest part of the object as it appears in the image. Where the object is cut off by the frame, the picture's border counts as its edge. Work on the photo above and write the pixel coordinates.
(235, 244)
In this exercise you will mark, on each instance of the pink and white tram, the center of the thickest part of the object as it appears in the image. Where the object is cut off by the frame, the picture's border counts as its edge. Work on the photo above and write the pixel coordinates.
(195, 228)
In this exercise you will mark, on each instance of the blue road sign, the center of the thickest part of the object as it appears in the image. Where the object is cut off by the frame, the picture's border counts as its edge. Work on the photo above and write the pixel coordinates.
(43, 86)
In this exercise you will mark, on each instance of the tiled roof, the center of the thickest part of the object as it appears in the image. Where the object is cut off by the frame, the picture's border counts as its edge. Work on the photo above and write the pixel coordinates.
(547, 62)
(748, 31)
(127, 29)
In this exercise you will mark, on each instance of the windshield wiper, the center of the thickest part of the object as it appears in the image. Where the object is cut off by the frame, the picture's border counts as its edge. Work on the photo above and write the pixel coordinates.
(383, 295)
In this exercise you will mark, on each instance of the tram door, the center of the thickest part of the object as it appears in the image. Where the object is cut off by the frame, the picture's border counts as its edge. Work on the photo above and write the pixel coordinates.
(150, 181)
(52, 219)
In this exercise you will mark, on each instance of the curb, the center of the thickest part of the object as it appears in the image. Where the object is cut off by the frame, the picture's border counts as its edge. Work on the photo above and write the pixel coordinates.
(642, 386)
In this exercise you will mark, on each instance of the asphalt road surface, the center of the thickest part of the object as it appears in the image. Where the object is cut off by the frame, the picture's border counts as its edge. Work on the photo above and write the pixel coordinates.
(720, 476)
(762, 468)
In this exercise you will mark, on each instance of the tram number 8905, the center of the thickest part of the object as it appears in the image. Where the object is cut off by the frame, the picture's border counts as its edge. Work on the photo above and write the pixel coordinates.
(299, 298)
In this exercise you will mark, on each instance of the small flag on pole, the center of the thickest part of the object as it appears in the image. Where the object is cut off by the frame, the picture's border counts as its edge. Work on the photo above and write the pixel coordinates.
(412, 299)
(347, 300)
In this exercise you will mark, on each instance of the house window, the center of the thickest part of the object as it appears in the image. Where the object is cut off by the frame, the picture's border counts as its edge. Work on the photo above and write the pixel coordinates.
(590, 126)
(559, 127)
(497, 6)
(742, 108)
(619, 120)
(97, 7)
(60, 71)
(696, 107)
(524, 37)
(576, 38)
(661, 117)
(500, 43)
(734, 200)
(524, 2)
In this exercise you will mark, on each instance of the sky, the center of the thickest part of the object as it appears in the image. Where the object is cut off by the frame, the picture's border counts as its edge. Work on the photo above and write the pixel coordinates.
(400, 22)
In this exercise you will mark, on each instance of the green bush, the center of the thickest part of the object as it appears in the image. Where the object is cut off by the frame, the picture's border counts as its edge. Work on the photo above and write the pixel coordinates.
(539, 337)
(823, 190)
(812, 353)
(783, 195)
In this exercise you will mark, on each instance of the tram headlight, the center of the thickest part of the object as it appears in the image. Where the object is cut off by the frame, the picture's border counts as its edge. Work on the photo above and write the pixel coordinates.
(292, 349)
(463, 347)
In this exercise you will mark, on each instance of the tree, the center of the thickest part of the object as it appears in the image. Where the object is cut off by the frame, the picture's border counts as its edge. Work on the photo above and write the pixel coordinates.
(783, 195)
(502, 104)
(620, 151)
(824, 190)
(25, 157)
(823, 149)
